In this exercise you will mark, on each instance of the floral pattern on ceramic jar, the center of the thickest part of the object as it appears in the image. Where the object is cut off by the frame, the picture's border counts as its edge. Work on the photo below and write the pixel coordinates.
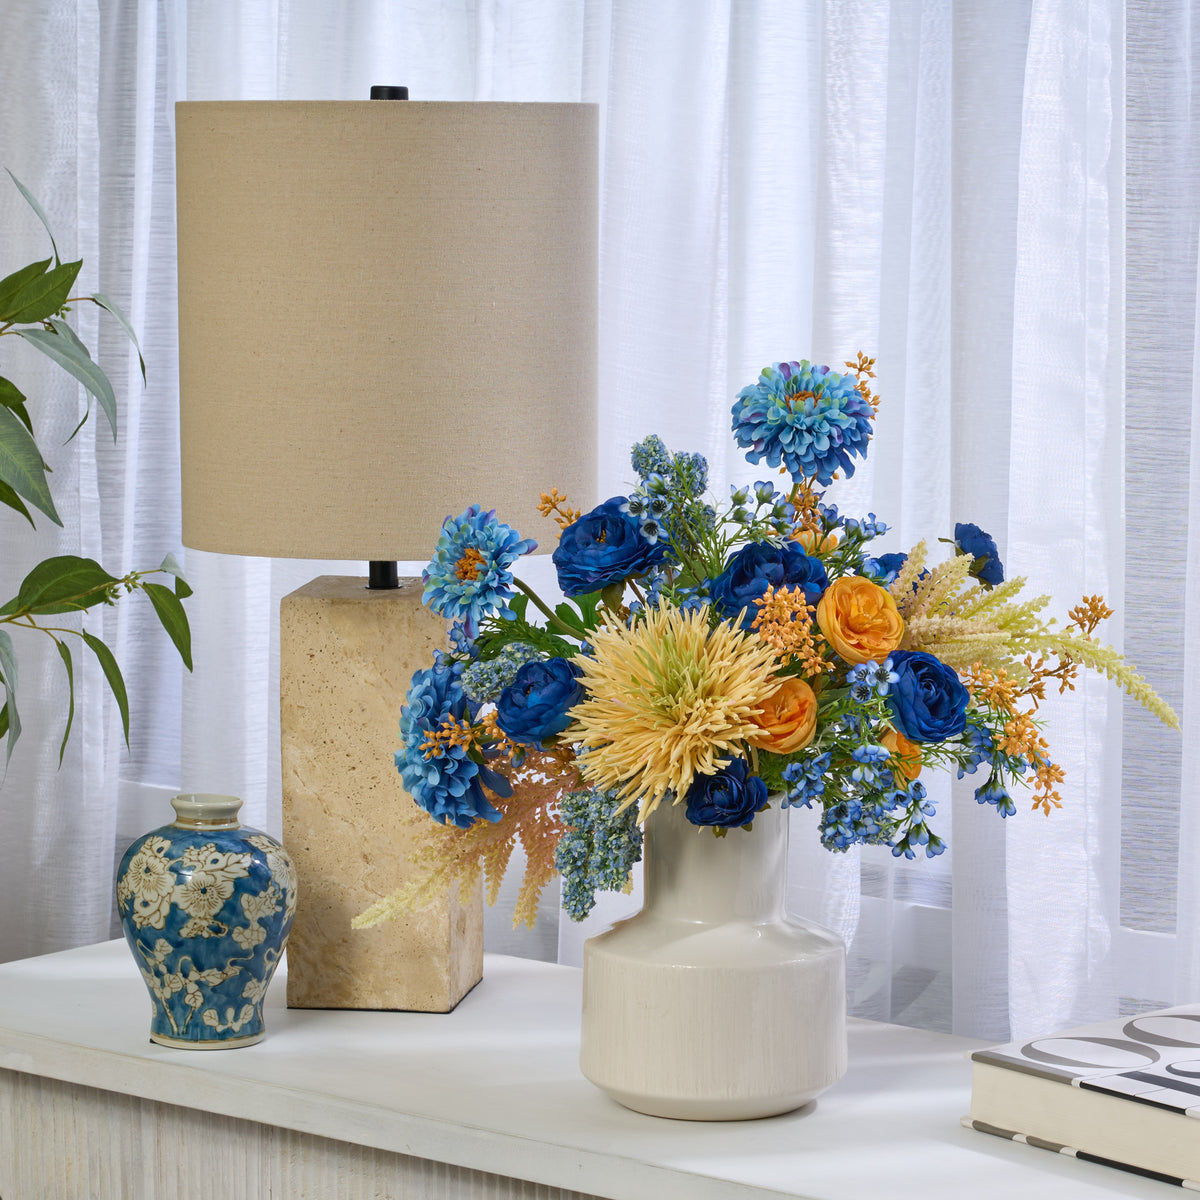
(206, 905)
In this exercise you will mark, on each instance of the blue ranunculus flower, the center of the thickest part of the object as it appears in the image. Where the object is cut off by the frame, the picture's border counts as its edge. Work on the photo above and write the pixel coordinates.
(928, 700)
(970, 539)
(757, 564)
(730, 797)
(604, 546)
(448, 784)
(811, 419)
(537, 704)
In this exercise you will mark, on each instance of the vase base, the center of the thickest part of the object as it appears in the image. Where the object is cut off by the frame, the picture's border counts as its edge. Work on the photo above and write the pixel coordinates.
(225, 1044)
(749, 1108)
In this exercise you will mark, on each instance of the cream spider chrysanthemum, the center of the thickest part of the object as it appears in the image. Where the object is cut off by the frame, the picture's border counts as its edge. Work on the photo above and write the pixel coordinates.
(666, 701)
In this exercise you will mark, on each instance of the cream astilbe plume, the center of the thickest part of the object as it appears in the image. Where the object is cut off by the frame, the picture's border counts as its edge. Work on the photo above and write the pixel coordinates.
(666, 701)
(947, 614)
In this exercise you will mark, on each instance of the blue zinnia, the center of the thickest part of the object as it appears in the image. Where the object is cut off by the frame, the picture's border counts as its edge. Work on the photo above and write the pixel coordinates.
(448, 784)
(809, 418)
(469, 578)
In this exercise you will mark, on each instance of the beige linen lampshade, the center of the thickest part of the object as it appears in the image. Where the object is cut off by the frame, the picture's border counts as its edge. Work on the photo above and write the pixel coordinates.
(387, 312)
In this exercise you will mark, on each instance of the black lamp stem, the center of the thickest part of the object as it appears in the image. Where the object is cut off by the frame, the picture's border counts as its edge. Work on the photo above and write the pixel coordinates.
(381, 574)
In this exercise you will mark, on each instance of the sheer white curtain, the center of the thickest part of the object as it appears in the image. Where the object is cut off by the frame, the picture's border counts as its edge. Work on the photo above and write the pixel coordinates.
(942, 184)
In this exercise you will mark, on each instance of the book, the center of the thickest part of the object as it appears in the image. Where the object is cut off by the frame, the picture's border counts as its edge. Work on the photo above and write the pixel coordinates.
(1124, 1093)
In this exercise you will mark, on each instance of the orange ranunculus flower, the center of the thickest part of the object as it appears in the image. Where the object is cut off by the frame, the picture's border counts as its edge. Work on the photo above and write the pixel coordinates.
(788, 718)
(859, 619)
(905, 760)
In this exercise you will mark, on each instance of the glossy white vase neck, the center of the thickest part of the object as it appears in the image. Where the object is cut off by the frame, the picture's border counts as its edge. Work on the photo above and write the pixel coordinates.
(692, 875)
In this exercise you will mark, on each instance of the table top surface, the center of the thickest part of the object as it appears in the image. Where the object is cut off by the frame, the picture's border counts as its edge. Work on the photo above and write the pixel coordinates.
(495, 1086)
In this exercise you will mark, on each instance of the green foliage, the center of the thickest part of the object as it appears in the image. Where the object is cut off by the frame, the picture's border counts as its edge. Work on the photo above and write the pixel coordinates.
(34, 301)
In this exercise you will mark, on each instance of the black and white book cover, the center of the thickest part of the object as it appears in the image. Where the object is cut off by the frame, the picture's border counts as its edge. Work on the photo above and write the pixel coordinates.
(1152, 1059)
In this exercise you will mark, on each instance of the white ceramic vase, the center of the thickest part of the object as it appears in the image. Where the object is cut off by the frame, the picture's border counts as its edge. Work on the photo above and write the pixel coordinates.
(712, 1004)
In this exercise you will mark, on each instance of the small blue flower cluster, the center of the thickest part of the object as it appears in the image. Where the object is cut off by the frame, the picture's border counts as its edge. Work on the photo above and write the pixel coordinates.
(858, 818)
(870, 679)
(806, 781)
(597, 851)
(865, 528)
(977, 748)
(915, 830)
(993, 792)
(670, 483)
(482, 682)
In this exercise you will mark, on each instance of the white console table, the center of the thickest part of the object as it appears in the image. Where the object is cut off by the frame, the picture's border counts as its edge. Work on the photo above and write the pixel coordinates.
(486, 1102)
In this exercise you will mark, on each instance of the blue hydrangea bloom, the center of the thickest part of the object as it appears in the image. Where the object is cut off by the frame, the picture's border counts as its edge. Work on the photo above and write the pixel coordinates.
(484, 681)
(811, 420)
(650, 457)
(597, 851)
(469, 578)
(447, 785)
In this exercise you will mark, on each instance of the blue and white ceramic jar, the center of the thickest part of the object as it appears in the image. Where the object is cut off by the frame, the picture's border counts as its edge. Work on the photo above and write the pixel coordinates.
(206, 904)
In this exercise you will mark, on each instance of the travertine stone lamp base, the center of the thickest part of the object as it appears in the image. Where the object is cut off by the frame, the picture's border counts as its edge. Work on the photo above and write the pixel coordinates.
(346, 657)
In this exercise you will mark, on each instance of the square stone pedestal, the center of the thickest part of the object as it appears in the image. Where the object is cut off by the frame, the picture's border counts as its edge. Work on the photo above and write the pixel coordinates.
(346, 656)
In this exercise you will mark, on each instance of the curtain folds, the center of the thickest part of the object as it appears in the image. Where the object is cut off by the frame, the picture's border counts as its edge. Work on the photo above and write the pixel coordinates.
(963, 190)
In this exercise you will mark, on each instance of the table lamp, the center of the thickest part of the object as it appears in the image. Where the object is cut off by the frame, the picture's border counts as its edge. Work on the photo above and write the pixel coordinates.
(387, 312)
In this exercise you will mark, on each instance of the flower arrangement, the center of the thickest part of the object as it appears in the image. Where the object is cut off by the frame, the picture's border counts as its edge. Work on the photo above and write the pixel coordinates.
(725, 657)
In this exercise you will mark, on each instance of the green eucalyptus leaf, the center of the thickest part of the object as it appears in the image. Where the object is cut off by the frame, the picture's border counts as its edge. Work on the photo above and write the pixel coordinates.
(11, 285)
(172, 618)
(13, 501)
(45, 295)
(65, 654)
(21, 465)
(107, 399)
(37, 208)
(13, 398)
(63, 584)
(108, 664)
(4, 721)
(171, 566)
(64, 352)
(8, 676)
(112, 307)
